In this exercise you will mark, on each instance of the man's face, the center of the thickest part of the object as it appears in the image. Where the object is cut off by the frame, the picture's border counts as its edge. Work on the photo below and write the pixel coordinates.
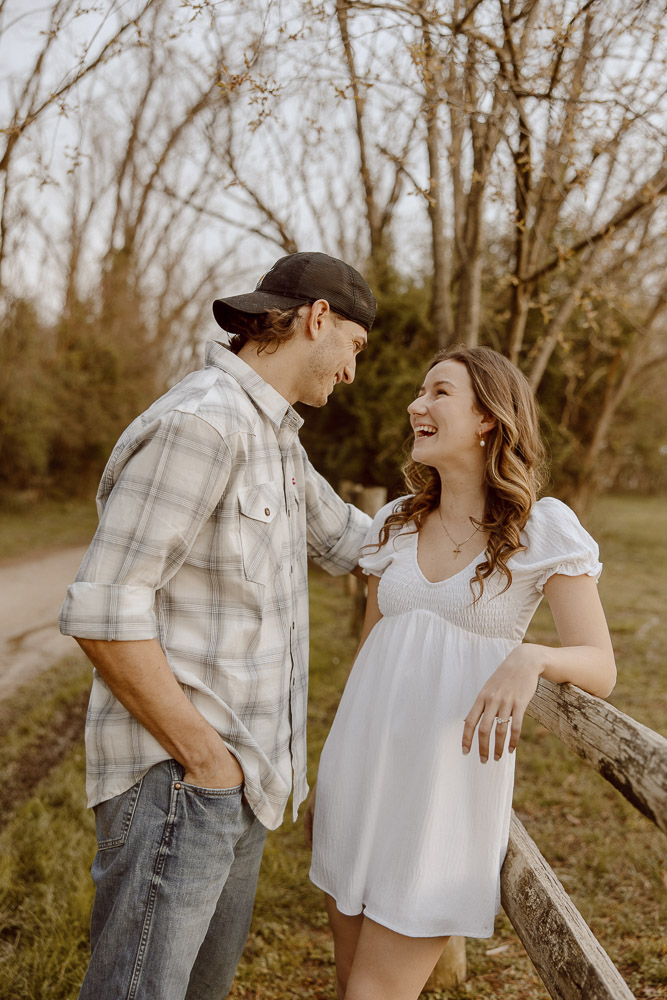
(333, 359)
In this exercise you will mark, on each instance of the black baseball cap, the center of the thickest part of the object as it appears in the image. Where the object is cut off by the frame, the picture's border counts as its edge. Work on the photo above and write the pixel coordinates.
(297, 279)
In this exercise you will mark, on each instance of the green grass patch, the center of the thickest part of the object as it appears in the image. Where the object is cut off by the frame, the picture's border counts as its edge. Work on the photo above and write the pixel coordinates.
(45, 888)
(633, 542)
(47, 840)
(609, 858)
(39, 731)
(30, 525)
(29, 717)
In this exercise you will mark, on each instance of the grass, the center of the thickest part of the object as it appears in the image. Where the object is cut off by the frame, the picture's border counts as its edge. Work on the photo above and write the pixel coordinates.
(632, 535)
(45, 889)
(31, 525)
(47, 842)
(609, 858)
(39, 732)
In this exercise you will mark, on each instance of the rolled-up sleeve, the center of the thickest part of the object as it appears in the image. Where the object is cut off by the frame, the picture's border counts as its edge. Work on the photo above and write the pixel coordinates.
(165, 491)
(335, 529)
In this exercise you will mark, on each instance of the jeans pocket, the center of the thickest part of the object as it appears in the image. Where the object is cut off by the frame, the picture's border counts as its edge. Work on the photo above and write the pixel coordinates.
(113, 818)
(261, 531)
(212, 793)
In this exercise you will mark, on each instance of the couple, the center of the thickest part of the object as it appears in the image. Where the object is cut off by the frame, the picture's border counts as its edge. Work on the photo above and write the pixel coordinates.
(191, 604)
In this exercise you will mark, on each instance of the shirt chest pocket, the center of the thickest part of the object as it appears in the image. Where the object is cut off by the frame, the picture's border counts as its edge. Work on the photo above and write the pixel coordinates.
(262, 531)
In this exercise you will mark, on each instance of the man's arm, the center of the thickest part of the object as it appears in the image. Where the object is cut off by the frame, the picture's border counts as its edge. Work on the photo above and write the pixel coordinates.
(164, 494)
(140, 677)
(335, 530)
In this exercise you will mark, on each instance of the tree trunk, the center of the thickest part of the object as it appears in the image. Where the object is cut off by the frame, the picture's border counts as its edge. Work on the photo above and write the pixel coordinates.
(520, 304)
(441, 306)
(557, 323)
(470, 297)
(372, 212)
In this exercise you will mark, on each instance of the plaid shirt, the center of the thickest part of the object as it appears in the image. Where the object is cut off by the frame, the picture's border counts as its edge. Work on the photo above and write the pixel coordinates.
(208, 510)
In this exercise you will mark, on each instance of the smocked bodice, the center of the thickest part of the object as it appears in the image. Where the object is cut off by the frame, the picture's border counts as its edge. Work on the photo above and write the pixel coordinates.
(555, 542)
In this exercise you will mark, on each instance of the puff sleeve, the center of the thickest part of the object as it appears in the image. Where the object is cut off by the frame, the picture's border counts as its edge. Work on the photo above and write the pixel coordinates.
(374, 561)
(558, 543)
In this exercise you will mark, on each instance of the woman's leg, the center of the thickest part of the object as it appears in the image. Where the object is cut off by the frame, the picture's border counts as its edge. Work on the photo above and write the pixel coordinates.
(390, 966)
(346, 934)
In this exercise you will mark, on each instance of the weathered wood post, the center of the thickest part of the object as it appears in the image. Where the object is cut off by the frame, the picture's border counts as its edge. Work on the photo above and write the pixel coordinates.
(452, 968)
(369, 499)
(570, 961)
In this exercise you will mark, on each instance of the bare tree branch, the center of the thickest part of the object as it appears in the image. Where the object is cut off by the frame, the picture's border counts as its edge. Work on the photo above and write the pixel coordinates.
(649, 192)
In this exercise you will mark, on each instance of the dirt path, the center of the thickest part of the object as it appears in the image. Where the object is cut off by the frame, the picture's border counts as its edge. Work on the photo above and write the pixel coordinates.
(32, 590)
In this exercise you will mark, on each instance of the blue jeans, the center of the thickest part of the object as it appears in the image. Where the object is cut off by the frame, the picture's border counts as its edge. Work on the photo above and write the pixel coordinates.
(175, 877)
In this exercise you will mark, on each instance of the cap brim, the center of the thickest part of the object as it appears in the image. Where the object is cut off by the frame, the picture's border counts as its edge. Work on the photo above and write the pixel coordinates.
(226, 310)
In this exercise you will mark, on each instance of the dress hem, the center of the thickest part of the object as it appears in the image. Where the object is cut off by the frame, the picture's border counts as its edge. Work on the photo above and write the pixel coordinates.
(463, 932)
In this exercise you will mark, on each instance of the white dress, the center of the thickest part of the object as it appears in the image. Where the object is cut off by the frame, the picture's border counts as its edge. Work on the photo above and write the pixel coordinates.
(406, 827)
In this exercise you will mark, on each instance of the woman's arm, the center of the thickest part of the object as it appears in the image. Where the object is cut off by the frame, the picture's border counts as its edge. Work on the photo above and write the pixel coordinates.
(371, 618)
(586, 658)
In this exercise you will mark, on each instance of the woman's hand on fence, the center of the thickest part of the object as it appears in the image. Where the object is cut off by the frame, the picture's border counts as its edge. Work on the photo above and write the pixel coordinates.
(502, 702)
(308, 818)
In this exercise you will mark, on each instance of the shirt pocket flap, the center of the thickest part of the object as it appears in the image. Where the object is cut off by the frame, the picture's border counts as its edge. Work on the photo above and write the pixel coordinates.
(260, 502)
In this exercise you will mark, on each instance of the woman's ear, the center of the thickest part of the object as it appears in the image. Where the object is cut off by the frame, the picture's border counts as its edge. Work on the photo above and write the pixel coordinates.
(487, 423)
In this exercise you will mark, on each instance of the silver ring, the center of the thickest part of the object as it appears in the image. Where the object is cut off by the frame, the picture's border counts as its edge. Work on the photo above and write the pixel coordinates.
(502, 722)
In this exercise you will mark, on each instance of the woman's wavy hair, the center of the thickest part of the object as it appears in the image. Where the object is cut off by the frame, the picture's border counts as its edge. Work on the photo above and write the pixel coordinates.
(515, 462)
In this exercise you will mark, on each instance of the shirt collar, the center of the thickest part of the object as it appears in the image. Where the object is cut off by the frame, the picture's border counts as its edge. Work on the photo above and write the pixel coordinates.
(264, 396)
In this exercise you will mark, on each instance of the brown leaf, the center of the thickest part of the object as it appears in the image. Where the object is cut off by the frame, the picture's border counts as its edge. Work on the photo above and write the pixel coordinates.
(497, 951)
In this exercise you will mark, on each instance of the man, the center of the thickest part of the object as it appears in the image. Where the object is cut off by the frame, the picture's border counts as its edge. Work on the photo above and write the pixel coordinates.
(191, 604)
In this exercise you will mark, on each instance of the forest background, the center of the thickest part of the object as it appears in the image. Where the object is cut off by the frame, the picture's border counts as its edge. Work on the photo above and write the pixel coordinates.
(495, 168)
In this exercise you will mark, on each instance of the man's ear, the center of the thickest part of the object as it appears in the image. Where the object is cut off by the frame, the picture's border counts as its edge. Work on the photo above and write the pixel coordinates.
(316, 317)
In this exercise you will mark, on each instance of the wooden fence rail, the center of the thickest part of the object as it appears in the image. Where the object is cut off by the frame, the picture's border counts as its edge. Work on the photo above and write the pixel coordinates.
(571, 962)
(630, 756)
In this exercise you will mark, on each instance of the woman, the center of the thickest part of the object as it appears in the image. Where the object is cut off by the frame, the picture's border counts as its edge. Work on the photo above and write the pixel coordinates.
(410, 828)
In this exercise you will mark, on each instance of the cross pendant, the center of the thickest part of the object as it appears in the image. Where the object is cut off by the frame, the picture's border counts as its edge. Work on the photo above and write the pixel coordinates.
(457, 552)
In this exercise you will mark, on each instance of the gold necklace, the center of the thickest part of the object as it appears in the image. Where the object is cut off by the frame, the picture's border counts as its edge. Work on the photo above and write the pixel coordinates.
(457, 549)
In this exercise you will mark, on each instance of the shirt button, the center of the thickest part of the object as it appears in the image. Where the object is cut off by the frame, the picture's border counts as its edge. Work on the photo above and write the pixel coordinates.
(293, 626)
(267, 511)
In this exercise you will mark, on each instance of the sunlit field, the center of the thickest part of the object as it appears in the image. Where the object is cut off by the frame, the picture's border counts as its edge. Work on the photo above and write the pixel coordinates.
(609, 858)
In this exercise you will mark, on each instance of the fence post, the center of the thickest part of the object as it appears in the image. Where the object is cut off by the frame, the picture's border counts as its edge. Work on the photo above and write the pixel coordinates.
(369, 499)
(452, 968)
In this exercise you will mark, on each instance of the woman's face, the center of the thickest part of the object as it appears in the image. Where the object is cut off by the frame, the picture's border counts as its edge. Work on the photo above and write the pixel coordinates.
(445, 418)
